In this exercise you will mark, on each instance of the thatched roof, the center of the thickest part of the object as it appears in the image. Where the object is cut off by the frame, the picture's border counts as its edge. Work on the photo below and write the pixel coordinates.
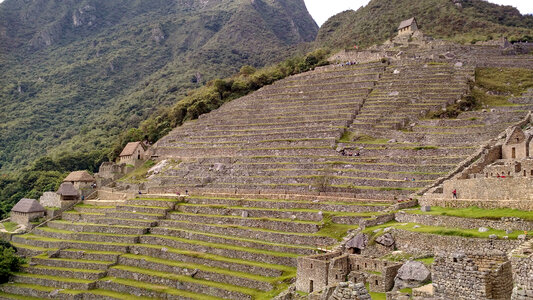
(67, 189)
(26, 205)
(82, 176)
(406, 23)
(130, 148)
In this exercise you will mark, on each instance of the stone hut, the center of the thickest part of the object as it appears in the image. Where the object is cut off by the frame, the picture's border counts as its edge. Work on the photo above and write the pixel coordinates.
(64, 196)
(316, 272)
(26, 210)
(516, 145)
(408, 26)
(67, 192)
(133, 154)
(82, 181)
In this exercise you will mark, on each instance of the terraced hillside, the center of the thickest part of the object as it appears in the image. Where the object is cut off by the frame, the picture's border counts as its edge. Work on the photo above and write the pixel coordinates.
(287, 138)
(214, 246)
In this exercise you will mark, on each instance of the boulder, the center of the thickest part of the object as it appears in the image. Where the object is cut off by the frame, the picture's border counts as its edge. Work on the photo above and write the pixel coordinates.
(411, 274)
(359, 241)
(483, 229)
(386, 240)
(425, 208)
(244, 214)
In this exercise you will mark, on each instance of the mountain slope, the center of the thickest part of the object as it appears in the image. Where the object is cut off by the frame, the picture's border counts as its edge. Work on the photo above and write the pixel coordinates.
(459, 20)
(77, 73)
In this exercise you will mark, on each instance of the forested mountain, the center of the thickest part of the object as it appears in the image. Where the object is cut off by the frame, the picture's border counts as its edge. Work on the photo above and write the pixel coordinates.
(463, 21)
(76, 73)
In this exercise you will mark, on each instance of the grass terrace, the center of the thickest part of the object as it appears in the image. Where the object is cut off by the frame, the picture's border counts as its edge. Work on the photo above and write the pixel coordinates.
(476, 213)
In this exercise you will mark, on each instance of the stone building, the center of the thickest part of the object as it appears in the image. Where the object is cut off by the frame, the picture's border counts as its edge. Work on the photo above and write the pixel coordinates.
(26, 210)
(516, 145)
(408, 26)
(133, 154)
(316, 272)
(64, 196)
(82, 181)
(472, 276)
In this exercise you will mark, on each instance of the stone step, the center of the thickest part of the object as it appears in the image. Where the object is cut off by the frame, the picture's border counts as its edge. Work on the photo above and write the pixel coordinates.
(221, 239)
(276, 237)
(126, 222)
(28, 250)
(222, 250)
(86, 236)
(134, 215)
(200, 271)
(314, 216)
(270, 224)
(54, 243)
(184, 282)
(82, 264)
(216, 261)
(357, 206)
(92, 209)
(87, 227)
(89, 255)
(75, 216)
(143, 290)
(156, 210)
(85, 274)
(165, 203)
(54, 281)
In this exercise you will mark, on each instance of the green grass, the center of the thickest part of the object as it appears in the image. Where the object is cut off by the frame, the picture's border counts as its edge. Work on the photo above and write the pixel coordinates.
(139, 174)
(347, 136)
(10, 226)
(503, 83)
(474, 212)
(427, 261)
(159, 288)
(64, 279)
(439, 230)
(17, 297)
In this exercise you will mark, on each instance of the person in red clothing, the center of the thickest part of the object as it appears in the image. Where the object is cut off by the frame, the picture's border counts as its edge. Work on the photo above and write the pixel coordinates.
(454, 193)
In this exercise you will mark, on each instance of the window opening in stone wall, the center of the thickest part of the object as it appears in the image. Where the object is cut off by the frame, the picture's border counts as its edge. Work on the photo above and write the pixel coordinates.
(310, 266)
(454, 259)
(531, 172)
(310, 286)
(336, 276)
(377, 282)
(513, 152)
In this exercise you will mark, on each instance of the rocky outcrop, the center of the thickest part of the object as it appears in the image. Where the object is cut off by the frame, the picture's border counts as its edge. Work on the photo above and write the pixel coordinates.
(84, 16)
(411, 274)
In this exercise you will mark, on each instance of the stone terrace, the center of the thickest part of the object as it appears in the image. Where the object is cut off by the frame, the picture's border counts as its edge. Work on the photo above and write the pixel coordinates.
(212, 246)
(283, 138)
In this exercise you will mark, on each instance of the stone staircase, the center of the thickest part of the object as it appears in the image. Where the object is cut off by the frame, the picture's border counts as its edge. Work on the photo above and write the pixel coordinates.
(209, 246)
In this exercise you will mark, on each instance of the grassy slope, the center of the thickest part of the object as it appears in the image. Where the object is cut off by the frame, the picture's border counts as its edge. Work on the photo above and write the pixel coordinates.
(377, 21)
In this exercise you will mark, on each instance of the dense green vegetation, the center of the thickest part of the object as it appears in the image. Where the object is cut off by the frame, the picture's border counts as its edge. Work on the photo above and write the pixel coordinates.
(9, 261)
(378, 21)
(75, 74)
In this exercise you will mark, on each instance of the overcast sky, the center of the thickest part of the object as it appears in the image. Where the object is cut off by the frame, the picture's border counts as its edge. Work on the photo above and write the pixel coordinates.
(321, 10)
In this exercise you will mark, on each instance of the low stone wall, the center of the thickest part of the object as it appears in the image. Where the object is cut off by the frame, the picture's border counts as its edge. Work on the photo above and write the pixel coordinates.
(522, 262)
(433, 220)
(486, 204)
(424, 243)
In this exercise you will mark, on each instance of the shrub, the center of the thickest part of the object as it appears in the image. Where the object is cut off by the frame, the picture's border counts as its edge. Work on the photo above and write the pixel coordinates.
(9, 261)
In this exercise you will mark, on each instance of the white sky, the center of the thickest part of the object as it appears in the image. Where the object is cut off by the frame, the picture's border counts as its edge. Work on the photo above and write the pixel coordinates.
(321, 10)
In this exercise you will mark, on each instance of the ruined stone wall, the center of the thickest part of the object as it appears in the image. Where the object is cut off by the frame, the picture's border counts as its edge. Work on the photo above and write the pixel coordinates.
(312, 272)
(486, 204)
(472, 276)
(522, 262)
(50, 199)
(423, 243)
(467, 223)
(491, 188)
(25, 218)
(379, 274)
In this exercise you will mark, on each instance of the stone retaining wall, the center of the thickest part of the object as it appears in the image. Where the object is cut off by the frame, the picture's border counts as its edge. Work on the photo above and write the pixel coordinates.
(457, 222)
(424, 243)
